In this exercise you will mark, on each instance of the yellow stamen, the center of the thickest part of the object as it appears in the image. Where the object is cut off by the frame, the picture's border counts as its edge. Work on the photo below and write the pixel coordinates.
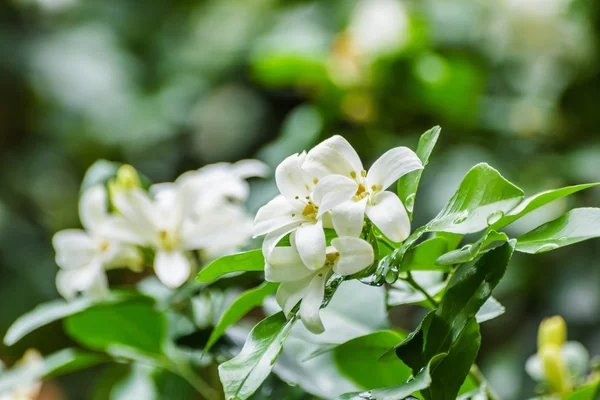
(363, 173)
(361, 189)
(309, 210)
(353, 175)
(332, 257)
(104, 246)
(316, 180)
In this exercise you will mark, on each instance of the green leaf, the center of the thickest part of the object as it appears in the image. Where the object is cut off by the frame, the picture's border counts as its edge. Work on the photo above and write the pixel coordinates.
(421, 381)
(46, 313)
(470, 288)
(575, 226)
(449, 375)
(133, 325)
(589, 392)
(536, 201)
(423, 256)
(441, 330)
(491, 309)
(358, 360)
(242, 375)
(481, 199)
(251, 260)
(471, 251)
(409, 183)
(240, 307)
(60, 363)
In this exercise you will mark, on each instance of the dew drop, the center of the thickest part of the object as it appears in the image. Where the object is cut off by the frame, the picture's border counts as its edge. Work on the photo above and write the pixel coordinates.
(409, 203)
(462, 218)
(547, 247)
(494, 217)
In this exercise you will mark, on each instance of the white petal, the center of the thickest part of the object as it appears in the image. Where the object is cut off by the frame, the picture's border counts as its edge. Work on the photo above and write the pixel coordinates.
(333, 156)
(333, 190)
(72, 281)
(119, 228)
(389, 215)
(392, 165)
(577, 358)
(290, 293)
(311, 302)
(355, 255)
(74, 248)
(534, 368)
(285, 265)
(250, 168)
(136, 206)
(274, 237)
(226, 226)
(348, 218)
(93, 207)
(292, 180)
(172, 268)
(311, 244)
(274, 215)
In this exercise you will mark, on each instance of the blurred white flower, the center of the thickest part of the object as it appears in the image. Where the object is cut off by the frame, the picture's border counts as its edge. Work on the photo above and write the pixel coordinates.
(83, 255)
(574, 355)
(26, 390)
(343, 177)
(300, 208)
(197, 212)
(345, 256)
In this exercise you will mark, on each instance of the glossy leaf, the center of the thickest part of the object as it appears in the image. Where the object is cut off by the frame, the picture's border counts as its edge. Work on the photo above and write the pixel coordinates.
(46, 313)
(421, 381)
(251, 260)
(423, 256)
(60, 363)
(240, 307)
(449, 375)
(470, 251)
(242, 375)
(358, 360)
(536, 201)
(575, 226)
(469, 290)
(133, 325)
(409, 183)
(491, 309)
(481, 200)
(441, 330)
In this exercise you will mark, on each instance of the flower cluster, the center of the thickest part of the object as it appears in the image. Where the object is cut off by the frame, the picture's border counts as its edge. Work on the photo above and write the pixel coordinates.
(29, 390)
(328, 188)
(201, 211)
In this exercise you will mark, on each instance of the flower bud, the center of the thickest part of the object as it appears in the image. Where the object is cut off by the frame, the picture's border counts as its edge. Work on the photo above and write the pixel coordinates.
(552, 333)
(127, 178)
(555, 370)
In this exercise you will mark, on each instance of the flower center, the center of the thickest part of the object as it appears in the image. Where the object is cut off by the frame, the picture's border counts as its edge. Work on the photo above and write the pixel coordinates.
(331, 258)
(104, 246)
(310, 210)
(168, 241)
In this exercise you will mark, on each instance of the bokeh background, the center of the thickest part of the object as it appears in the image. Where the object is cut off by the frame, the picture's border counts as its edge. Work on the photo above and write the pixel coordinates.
(169, 86)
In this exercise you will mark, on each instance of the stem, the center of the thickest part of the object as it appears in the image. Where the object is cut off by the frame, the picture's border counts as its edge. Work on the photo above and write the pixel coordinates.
(415, 285)
(477, 376)
(475, 373)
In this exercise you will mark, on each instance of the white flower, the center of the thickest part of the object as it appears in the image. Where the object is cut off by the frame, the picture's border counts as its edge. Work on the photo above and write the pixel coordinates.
(345, 256)
(300, 208)
(194, 213)
(83, 255)
(26, 390)
(339, 167)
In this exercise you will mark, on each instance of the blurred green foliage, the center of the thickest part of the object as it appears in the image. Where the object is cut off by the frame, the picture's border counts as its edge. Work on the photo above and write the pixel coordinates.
(169, 86)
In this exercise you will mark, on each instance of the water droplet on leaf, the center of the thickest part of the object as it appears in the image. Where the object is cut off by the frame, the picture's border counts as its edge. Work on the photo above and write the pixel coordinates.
(547, 247)
(462, 218)
(409, 203)
(494, 217)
